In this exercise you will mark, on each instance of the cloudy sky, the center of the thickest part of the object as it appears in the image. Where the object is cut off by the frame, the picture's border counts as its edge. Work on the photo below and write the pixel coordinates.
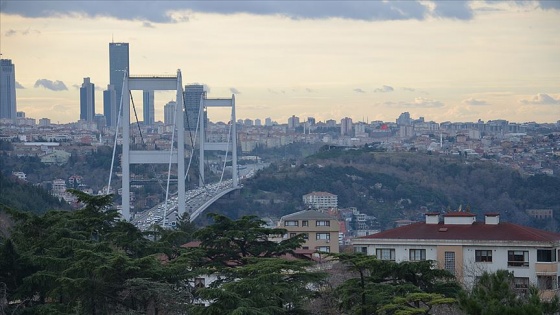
(368, 60)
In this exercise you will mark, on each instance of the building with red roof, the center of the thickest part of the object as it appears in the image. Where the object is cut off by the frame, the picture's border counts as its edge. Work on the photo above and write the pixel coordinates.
(458, 243)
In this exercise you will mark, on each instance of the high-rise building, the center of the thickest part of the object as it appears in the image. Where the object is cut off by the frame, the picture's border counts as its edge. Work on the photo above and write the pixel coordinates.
(258, 122)
(268, 122)
(118, 64)
(346, 126)
(110, 108)
(293, 122)
(169, 112)
(7, 89)
(148, 107)
(87, 100)
(192, 95)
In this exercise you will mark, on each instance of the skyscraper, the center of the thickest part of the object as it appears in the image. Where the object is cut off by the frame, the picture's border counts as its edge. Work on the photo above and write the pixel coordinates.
(346, 126)
(110, 109)
(87, 100)
(118, 64)
(192, 96)
(169, 112)
(7, 89)
(148, 106)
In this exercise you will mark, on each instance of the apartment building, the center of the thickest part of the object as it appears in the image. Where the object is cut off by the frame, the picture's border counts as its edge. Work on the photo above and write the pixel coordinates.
(467, 248)
(320, 229)
(321, 200)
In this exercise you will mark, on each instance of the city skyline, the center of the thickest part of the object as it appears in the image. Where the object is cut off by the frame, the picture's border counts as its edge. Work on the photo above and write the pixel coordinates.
(446, 61)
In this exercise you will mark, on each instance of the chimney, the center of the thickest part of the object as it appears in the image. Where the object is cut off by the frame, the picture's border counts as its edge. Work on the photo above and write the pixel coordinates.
(432, 218)
(491, 218)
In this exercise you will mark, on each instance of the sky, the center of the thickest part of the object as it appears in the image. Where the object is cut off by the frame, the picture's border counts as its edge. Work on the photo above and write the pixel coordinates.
(367, 60)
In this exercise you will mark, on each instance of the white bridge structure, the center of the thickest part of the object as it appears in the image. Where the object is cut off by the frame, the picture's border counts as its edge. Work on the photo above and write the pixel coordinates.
(195, 201)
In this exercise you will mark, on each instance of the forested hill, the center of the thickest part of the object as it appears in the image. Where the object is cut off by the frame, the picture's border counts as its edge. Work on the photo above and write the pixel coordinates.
(400, 186)
(23, 196)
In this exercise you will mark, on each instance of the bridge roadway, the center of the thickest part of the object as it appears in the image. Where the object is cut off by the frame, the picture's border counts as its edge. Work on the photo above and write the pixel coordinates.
(197, 200)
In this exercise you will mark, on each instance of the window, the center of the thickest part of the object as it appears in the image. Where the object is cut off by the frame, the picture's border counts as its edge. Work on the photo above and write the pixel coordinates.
(304, 223)
(483, 255)
(305, 236)
(546, 283)
(518, 258)
(293, 235)
(546, 255)
(291, 223)
(521, 285)
(385, 254)
(449, 263)
(322, 223)
(323, 236)
(417, 254)
(361, 249)
(305, 247)
(326, 249)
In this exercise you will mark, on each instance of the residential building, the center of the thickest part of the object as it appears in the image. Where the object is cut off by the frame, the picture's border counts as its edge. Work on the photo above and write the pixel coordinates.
(293, 122)
(110, 107)
(346, 126)
(148, 107)
(87, 100)
(468, 248)
(8, 106)
(169, 113)
(320, 229)
(540, 213)
(321, 200)
(192, 98)
(118, 65)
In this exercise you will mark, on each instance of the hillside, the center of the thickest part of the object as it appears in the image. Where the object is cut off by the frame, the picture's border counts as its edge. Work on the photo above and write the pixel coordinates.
(397, 186)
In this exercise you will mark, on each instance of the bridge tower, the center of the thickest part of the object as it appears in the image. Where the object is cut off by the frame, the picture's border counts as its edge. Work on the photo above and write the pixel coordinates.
(167, 83)
(230, 146)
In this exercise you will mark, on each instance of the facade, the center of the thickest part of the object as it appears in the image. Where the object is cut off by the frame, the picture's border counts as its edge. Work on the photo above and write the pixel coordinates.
(87, 100)
(118, 64)
(148, 107)
(293, 122)
(320, 229)
(192, 96)
(8, 108)
(110, 108)
(169, 113)
(321, 200)
(468, 248)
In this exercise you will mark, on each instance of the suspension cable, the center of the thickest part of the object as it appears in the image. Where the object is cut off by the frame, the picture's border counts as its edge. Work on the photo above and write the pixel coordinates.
(169, 166)
(227, 150)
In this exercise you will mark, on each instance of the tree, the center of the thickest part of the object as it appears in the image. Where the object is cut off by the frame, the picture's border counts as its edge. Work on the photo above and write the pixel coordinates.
(263, 286)
(415, 303)
(494, 293)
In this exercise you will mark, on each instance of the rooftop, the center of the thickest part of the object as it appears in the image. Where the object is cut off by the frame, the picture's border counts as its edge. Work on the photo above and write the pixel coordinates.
(308, 214)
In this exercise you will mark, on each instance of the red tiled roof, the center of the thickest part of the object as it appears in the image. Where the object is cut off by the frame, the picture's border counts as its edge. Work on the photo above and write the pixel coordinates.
(476, 231)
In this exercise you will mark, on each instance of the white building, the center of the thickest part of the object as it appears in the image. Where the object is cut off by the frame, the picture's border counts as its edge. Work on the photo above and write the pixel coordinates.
(321, 200)
(467, 248)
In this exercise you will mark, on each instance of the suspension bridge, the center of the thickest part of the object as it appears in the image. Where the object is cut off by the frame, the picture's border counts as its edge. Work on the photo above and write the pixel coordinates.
(180, 203)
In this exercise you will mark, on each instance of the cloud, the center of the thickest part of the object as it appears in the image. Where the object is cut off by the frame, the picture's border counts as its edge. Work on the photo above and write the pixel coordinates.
(542, 99)
(384, 89)
(234, 91)
(12, 32)
(409, 89)
(460, 10)
(472, 101)
(419, 102)
(51, 85)
(148, 25)
(19, 86)
(308, 90)
(358, 90)
(174, 11)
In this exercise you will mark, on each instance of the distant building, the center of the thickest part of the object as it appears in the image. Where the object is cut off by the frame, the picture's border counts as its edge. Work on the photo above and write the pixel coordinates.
(193, 95)
(258, 122)
(118, 65)
(268, 122)
(44, 122)
(110, 107)
(467, 248)
(169, 113)
(8, 106)
(540, 213)
(293, 122)
(321, 231)
(148, 107)
(87, 100)
(346, 126)
(321, 200)
(404, 119)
